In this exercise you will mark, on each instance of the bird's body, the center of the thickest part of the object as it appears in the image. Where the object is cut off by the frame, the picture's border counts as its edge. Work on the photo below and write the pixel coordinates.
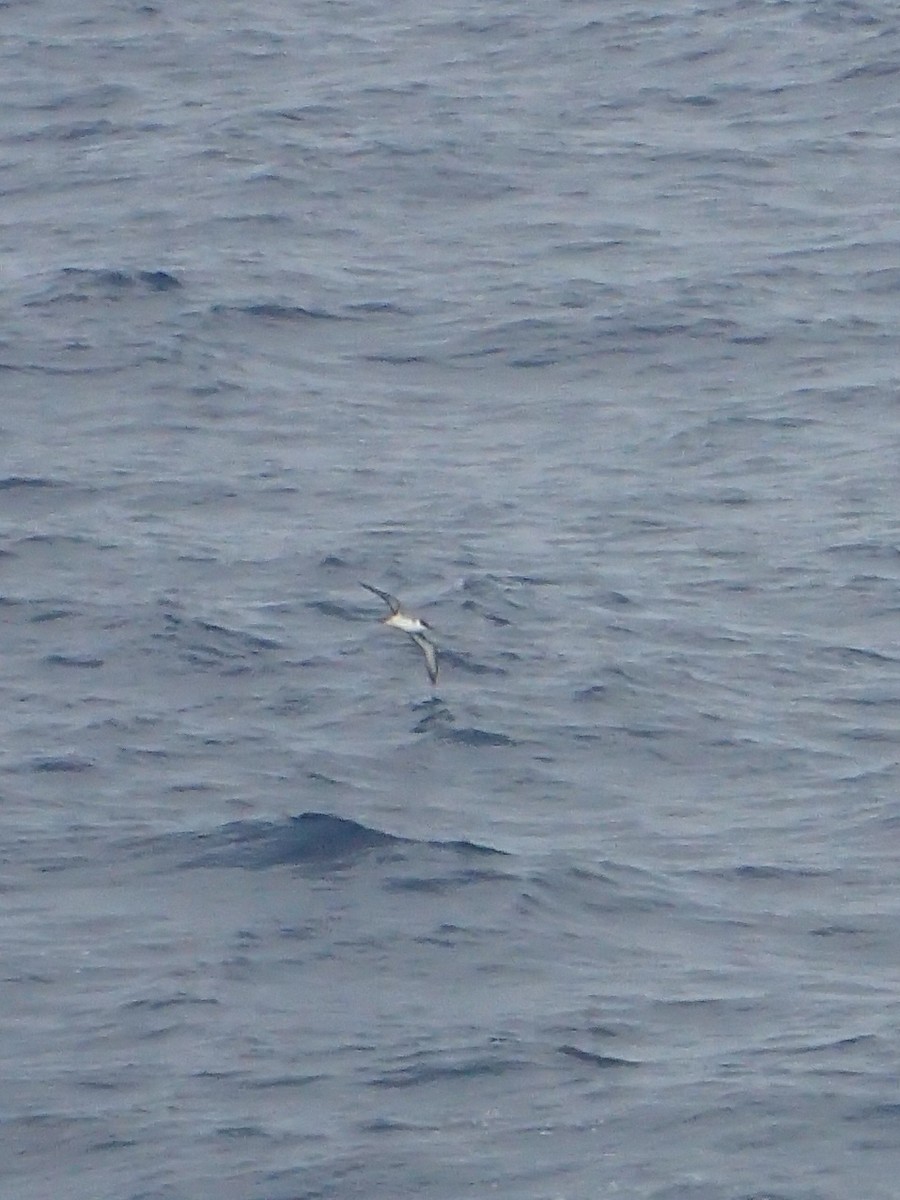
(414, 626)
(406, 623)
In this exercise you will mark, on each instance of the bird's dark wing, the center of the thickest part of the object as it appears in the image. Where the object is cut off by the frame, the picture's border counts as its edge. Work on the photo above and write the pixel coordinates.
(431, 659)
(391, 601)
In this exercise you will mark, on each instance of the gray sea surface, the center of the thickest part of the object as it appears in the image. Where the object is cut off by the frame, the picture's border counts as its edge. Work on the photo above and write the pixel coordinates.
(575, 325)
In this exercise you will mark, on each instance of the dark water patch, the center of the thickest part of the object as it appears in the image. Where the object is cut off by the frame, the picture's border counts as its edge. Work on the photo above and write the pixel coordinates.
(429, 1072)
(838, 931)
(472, 736)
(396, 359)
(703, 327)
(62, 539)
(449, 936)
(390, 1126)
(379, 308)
(158, 281)
(858, 655)
(331, 608)
(436, 885)
(25, 482)
(92, 95)
(293, 705)
(253, 640)
(859, 734)
(503, 581)
(560, 889)
(72, 660)
(95, 369)
(320, 777)
(606, 888)
(876, 69)
(493, 618)
(86, 283)
(288, 1082)
(832, 1044)
(887, 1109)
(437, 717)
(647, 733)
(61, 764)
(239, 1132)
(594, 1059)
(81, 130)
(762, 872)
(768, 1194)
(839, 14)
(160, 1004)
(275, 312)
(531, 362)
(312, 839)
(883, 282)
(312, 112)
(469, 665)
(751, 339)
(51, 614)
(207, 644)
(870, 548)
(613, 599)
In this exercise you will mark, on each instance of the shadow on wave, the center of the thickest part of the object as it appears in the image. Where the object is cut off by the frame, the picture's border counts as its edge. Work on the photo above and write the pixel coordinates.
(205, 645)
(439, 720)
(79, 284)
(316, 840)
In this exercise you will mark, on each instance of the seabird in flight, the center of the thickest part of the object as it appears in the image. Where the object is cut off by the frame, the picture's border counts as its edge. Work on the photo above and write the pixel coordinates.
(414, 626)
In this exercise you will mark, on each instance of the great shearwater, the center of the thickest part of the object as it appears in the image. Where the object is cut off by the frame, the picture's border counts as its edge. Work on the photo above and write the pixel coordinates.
(414, 626)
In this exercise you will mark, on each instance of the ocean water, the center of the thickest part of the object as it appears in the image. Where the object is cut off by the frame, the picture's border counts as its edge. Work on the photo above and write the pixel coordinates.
(575, 325)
